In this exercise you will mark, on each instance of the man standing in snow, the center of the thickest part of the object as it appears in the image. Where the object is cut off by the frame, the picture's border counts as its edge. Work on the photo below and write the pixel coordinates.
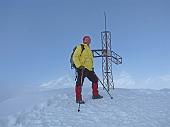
(83, 60)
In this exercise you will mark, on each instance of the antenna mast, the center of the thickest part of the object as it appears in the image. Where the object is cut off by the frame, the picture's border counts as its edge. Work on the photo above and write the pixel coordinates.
(108, 56)
(105, 20)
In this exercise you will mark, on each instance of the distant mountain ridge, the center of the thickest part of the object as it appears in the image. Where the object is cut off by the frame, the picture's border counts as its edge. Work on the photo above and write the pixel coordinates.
(62, 82)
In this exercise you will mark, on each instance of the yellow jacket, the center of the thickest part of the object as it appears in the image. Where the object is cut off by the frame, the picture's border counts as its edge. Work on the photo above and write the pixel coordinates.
(84, 58)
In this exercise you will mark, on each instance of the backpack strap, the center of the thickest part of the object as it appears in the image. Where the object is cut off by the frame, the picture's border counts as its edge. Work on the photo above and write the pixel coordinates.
(82, 48)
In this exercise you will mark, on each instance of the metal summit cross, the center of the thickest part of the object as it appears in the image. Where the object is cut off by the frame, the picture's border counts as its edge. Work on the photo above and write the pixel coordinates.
(108, 56)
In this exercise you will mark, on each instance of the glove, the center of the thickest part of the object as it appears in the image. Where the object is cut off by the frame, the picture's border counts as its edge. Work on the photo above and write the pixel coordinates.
(81, 68)
(93, 69)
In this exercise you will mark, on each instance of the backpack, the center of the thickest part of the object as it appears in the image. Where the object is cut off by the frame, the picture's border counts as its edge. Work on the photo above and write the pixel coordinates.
(71, 58)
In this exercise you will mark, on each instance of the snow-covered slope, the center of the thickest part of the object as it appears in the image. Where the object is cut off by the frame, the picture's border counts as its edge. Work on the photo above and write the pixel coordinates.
(128, 108)
(63, 82)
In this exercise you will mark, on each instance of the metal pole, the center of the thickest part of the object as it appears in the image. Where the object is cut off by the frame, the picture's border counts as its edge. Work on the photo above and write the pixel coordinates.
(82, 73)
(105, 88)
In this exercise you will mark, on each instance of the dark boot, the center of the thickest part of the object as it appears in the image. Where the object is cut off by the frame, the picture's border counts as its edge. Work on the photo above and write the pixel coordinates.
(78, 94)
(97, 97)
(95, 91)
(80, 102)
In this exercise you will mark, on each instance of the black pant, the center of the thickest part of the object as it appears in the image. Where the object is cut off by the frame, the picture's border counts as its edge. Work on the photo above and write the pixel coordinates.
(81, 74)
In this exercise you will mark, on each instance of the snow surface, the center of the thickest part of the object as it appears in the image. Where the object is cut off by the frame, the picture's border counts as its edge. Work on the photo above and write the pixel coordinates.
(62, 82)
(57, 108)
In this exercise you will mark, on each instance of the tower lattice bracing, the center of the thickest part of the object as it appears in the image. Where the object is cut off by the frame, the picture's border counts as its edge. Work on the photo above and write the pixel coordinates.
(108, 57)
(106, 60)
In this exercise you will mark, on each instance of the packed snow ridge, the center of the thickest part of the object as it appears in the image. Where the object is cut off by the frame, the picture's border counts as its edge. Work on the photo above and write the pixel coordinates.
(128, 108)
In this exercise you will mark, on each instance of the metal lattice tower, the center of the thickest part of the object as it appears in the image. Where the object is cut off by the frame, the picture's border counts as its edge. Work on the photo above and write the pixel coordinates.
(108, 56)
(106, 61)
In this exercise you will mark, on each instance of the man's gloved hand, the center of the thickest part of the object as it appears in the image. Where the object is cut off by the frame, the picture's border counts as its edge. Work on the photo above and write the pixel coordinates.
(81, 68)
(93, 69)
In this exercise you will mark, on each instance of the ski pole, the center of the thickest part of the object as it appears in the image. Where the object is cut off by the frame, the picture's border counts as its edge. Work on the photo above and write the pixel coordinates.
(105, 88)
(79, 107)
(82, 71)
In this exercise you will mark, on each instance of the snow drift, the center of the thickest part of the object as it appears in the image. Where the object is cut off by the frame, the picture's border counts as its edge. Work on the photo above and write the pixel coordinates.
(57, 108)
